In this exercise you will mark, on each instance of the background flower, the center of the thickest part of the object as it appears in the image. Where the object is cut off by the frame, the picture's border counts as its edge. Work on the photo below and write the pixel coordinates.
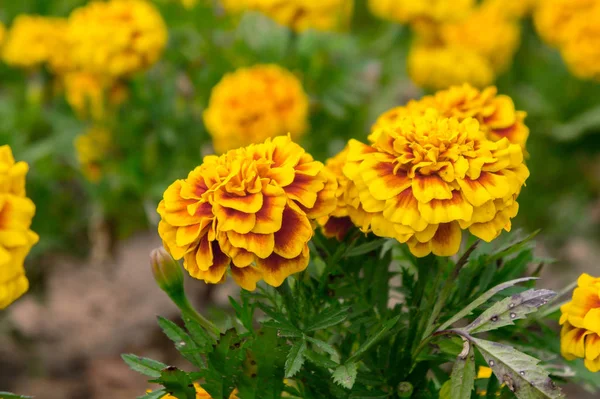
(252, 104)
(580, 334)
(92, 148)
(405, 11)
(16, 237)
(249, 211)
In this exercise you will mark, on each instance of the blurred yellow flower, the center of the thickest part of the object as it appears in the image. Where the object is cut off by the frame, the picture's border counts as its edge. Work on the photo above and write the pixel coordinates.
(117, 37)
(2, 33)
(512, 9)
(439, 67)
(496, 113)
(34, 40)
(91, 95)
(252, 104)
(201, 393)
(16, 237)
(580, 334)
(338, 222)
(552, 17)
(407, 11)
(581, 47)
(488, 33)
(299, 15)
(249, 210)
(92, 148)
(426, 177)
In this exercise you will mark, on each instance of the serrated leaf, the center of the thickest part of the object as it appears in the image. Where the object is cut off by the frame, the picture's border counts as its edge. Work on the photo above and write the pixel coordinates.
(463, 374)
(320, 360)
(8, 395)
(323, 346)
(200, 336)
(365, 248)
(295, 358)
(282, 330)
(177, 382)
(345, 375)
(151, 395)
(328, 318)
(520, 372)
(151, 368)
(183, 342)
(373, 339)
(481, 300)
(509, 309)
(225, 365)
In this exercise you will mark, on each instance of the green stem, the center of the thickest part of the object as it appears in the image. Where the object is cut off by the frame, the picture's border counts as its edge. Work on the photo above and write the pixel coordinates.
(187, 310)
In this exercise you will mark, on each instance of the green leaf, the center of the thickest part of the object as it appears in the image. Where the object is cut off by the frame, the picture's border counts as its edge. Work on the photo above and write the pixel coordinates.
(520, 372)
(481, 300)
(200, 336)
(365, 248)
(8, 395)
(282, 329)
(149, 367)
(320, 360)
(177, 382)
(328, 318)
(323, 346)
(463, 374)
(373, 339)
(159, 393)
(345, 375)
(509, 309)
(295, 358)
(183, 343)
(225, 365)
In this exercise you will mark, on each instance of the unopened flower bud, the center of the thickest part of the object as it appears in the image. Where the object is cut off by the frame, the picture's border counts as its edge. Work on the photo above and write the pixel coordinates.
(405, 389)
(167, 273)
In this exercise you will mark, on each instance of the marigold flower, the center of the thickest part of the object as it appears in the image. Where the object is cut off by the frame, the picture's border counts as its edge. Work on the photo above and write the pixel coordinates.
(406, 11)
(91, 95)
(439, 67)
(580, 49)
(201, 393)
(426, 177)
(338, 222)
(511, 9)
(92, 148)
(496, 113)
(249, 210)
(252, 104)
(299, 15)
(35, 40)
(580, 334)
(16, 237)
(488, 33)
(117, 37)
(552, 17)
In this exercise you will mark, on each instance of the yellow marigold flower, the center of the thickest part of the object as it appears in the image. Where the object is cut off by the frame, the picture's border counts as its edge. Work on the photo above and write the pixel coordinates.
(91, 95)
(581, 49)
(496, 114)
(35, 40)
(200, 393)
(299, 15)
(406, 11)
(117, 37)
(439, 67)
(16, 238)
(488, 33)
(580, 334)
(92, 148)
(249, 210)
(338, 222)
(424, 178)
(252, 104)
(552, 17)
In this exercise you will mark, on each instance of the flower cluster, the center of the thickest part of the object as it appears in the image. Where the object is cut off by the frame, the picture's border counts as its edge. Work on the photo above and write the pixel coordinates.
(16, 237)
(425, 177)
(92, 148)
(416, 11)
(299, 15)
(116, 38)
(573, 26)
(249, 211)
(252, 104)
(496, 114)
(33, 41)
(474, 49)
(580, 320)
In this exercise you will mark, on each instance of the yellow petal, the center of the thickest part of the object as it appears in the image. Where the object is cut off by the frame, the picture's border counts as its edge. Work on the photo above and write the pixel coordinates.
(444, 211)
(275, 269)
(446, 241)
(383, 183)
(295, 233)
(246, 277)
(259, 244)
(427, 188)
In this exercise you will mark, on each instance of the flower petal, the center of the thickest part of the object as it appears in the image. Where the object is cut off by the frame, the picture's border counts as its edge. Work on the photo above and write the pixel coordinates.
(275, 269)
(259, 244)
(427, 188)
(295, 233)
(246, 277)
(447, 238)
(444, 211)
(383, 182)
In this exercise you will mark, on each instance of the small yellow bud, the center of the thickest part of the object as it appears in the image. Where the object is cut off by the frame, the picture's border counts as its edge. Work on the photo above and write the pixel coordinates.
(167, 273)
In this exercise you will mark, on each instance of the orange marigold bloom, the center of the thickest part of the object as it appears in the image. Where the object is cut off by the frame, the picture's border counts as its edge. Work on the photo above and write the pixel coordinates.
(580, 334)
(16, 238)
(252, 104)
(249, 210)
(496, 113)
(426, 177)
(338, 222)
